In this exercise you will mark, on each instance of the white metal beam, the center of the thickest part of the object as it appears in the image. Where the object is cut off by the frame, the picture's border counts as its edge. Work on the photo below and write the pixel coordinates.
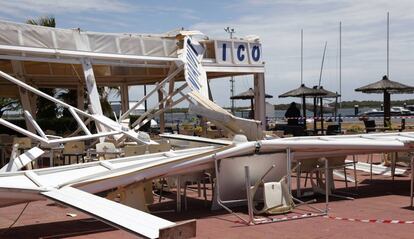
(80, 122)
(259, 99)
(29, 118)
(24, 95)
(82, 54)
(158, 86)
(77, 61)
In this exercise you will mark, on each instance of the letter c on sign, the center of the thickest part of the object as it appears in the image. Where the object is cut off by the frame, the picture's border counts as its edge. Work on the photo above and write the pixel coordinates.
(240, 55)
(256, 53)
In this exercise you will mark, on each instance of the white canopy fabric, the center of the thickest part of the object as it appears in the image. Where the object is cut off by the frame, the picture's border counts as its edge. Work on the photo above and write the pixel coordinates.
(24, 35)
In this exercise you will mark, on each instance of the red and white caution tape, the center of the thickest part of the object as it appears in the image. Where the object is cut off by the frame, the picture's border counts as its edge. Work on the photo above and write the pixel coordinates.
(384, 221)
(342, 117)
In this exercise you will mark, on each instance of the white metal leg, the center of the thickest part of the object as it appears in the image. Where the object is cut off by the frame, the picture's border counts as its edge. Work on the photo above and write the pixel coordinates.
(298, 176)
(178, 193)
(249, 196)
(412, 180)
(326, 185)
(370, 167)
(289, 169)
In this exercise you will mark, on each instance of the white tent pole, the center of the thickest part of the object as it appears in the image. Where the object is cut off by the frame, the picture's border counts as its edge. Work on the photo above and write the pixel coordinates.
(169, 77)
(83, 54)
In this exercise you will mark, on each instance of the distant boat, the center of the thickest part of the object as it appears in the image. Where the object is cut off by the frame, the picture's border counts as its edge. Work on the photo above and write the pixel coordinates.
(395, 111)
(326, 108)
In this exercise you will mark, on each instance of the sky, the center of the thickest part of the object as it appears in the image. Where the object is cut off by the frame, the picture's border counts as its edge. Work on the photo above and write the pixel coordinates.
(278, 23)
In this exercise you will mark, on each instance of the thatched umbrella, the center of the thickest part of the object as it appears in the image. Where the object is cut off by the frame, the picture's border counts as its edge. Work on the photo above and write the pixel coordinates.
(248, 95)
(302, 92)
(387, 87)
(323, 93)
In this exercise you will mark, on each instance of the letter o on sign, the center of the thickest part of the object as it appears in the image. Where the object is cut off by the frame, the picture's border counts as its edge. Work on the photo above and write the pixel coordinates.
(256, 53)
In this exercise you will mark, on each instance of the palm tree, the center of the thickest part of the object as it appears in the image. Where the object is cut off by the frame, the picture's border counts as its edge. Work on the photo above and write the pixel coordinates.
(46, 21)
(45, 108)
(8, 104)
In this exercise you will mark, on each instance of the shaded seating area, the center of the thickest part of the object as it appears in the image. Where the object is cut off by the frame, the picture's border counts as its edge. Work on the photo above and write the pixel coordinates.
(317, 93)
(301, 92)
(386, 87)
(314, 170)
(333, 129)
(249, 95)
(73, 150)
(370, 126)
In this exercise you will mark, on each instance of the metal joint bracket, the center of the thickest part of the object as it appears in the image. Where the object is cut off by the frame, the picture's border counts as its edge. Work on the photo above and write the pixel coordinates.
(258, 145)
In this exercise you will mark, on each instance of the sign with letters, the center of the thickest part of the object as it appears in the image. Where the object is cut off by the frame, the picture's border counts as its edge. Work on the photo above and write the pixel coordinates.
(194, 73)
(238, 52)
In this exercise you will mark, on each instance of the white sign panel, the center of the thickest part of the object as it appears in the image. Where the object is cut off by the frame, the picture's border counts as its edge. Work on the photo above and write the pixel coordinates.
(194, 73)
(242, 52)
(255, 50)
(224, 52)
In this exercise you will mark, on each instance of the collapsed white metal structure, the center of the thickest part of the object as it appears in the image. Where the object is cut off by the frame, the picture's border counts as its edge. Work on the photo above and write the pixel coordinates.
(45, 57)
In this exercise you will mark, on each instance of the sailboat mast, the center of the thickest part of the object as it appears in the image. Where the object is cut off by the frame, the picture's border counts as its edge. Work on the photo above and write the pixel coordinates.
(301, 56)
(388, 44)
(340, 65)
(323, 59)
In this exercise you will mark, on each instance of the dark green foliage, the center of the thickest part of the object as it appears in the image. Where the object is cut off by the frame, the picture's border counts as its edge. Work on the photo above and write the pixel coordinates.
(69, 97)
(59, 125)
(46, 21)
(8, 104)
(46, 108)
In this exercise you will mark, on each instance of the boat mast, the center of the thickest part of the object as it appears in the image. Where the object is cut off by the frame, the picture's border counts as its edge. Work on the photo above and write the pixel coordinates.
(301, 56)
(323, 59)
(340, 65)
(388, 44)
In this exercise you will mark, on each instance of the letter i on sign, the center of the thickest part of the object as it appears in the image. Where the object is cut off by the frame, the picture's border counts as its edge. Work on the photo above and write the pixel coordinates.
(224, 51)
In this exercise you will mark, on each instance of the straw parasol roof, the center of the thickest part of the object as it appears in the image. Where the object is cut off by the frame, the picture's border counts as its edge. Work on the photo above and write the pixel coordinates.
(386, 84)
(300, 92)
(387, 87)
(326, 93)
(247, 95)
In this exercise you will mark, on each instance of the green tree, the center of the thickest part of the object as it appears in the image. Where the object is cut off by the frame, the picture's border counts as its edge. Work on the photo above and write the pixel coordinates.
(45, 108)
(46, 21)
(8, 104)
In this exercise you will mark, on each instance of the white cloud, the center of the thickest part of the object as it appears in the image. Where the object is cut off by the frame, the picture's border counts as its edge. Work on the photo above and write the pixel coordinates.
(53, 6)
(278, 23)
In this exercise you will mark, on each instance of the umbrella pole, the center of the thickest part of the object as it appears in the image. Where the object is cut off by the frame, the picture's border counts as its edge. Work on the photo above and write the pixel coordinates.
(387, 109)
(315, 131)
(251, 107)
(321, 115)
(304, 111)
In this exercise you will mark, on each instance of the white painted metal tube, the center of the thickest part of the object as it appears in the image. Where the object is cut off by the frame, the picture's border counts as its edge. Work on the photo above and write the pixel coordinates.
(412, 180)
(83, 137)
(249, 196)
(34, 123)
(23, 131)
(40, 93)
(319, 144)
(80, 122)
(168, 167)
(289, 169)
(161, 84)
(81, 54)
(46, 96)
(327, 185)
(77, 61)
